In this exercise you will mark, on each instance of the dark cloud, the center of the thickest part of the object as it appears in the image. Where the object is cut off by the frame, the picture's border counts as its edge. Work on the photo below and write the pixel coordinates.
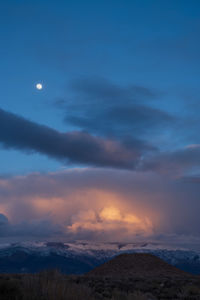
(178, 163)
(33, 228)
(76, 147)
(101, 107)
(84, 148)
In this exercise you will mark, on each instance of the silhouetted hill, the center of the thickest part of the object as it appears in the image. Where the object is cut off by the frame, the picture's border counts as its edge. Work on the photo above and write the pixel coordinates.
(137, 265)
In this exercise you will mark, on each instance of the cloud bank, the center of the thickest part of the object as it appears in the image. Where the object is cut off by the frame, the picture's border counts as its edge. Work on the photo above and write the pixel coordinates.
(98, 204)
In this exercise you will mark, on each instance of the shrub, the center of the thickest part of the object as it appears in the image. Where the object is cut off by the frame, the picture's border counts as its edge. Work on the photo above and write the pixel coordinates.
(118, 295)
(51, 285)
(9, 288)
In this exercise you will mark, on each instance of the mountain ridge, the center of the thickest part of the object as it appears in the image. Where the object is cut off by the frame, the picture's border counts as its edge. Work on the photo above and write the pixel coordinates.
(81, 256)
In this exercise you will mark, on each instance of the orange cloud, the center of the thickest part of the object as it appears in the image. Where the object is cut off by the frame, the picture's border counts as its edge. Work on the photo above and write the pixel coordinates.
(110, 219)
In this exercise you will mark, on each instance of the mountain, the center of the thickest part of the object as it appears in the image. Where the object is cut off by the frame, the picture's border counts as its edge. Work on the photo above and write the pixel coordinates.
(137, 265)
(81, 257)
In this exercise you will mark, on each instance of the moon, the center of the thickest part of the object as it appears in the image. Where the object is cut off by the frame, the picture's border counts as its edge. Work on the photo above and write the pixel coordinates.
(39, 86)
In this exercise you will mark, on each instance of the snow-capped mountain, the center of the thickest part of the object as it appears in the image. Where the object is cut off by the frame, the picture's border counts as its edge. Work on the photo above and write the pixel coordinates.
(81, 256)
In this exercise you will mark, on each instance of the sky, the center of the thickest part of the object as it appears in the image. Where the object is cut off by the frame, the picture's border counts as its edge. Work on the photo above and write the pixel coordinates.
(109, 148)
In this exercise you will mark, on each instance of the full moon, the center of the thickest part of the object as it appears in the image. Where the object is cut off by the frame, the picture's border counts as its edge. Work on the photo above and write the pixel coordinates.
(39, 86)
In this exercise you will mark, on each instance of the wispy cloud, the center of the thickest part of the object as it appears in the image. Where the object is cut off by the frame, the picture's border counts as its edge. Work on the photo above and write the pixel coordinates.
(102, 107)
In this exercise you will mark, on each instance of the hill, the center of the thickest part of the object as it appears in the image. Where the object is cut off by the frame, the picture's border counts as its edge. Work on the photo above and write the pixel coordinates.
(137, 265)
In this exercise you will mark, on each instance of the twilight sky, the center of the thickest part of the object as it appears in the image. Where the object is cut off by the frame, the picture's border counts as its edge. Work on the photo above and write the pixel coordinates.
(109, 149)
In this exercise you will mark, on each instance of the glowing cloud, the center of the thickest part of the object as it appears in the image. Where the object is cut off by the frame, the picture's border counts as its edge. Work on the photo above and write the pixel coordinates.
(110, 219)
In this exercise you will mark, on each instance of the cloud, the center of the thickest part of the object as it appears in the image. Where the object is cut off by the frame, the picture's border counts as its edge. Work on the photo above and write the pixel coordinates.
(72, 147)
(99, 204)
(30, 228)
(103, 90)
(107, 222)
(86, 149)
(180, 163)
(101, 107)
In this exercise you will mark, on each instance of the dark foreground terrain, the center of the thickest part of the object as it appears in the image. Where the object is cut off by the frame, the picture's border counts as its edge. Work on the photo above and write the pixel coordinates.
(126, 277)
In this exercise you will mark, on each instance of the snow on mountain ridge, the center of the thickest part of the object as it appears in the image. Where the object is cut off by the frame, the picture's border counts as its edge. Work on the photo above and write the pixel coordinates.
(95, 249)
(91, 254)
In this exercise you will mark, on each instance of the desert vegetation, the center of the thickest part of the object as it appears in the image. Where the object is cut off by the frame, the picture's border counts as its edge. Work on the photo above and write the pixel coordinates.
(52, 285)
